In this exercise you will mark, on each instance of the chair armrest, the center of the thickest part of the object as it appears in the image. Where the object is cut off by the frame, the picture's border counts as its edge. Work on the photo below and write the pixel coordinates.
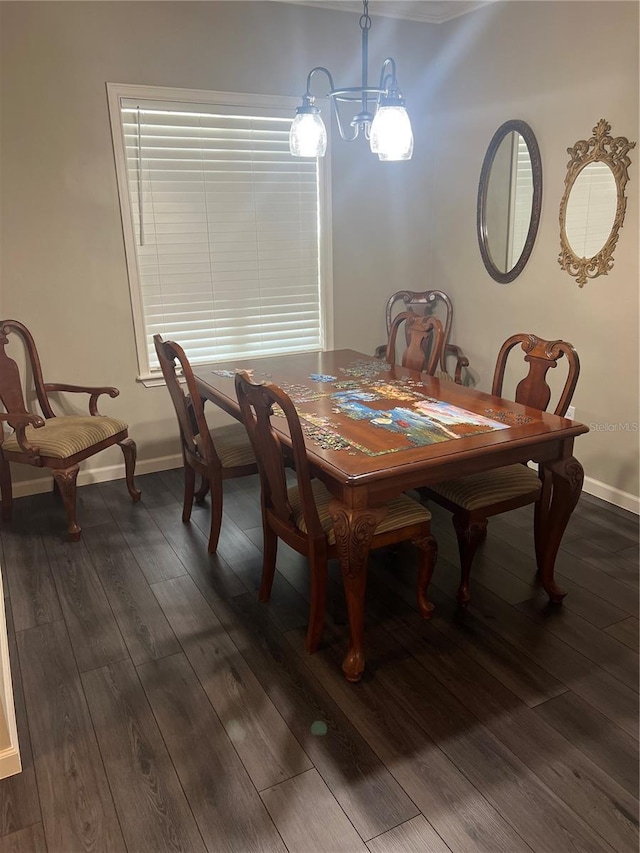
(83, 389)
(20, 422)
(461, 360)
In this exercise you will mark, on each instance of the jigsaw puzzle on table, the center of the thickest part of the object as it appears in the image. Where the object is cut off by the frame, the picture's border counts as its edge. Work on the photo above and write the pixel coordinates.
(397, 406)
(421, 420)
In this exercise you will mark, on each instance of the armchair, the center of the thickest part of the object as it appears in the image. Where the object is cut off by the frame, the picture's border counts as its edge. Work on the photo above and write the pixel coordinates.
(57, 442)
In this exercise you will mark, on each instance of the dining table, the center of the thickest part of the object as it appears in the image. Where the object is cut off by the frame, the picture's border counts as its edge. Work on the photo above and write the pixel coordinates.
(374, 430)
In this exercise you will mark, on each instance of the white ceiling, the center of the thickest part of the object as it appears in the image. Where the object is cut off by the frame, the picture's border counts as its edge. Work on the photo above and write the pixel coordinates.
(426, 11)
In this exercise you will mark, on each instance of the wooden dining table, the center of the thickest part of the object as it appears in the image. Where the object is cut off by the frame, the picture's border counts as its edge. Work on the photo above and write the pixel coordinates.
(374, 430)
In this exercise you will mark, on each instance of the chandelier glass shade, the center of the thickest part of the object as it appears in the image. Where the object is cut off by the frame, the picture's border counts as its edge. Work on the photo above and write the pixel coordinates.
(388, 128)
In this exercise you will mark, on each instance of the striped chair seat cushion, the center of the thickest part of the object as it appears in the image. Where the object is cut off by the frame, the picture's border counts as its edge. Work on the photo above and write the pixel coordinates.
(233, 446)
(490, 487)
(67, 435)
(403, 511)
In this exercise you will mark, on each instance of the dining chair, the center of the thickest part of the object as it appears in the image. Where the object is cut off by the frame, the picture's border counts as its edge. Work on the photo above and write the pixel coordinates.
(300, 514)
(56, 442)
(428, 302)
(476, 497)
(218, 454)
(425, 337)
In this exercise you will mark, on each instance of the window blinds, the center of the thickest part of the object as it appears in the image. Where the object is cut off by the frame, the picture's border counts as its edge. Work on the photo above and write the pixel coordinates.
(226, 230)
(522, 200)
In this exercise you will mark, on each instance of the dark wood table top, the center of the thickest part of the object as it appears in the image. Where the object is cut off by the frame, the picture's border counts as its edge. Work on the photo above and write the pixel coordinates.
(363, 450)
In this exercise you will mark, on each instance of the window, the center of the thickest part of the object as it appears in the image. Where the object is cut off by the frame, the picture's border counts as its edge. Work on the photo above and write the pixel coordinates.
(226, 234)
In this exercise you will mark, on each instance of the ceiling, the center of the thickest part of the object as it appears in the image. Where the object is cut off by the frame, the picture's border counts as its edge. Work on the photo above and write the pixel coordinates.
(425, 11)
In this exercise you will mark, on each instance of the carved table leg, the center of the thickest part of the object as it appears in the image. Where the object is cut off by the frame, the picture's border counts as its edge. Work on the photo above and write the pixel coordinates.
(354, 529)
(567, 476)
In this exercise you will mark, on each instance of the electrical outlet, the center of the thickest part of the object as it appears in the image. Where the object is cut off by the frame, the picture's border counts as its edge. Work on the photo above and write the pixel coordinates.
(571, 413)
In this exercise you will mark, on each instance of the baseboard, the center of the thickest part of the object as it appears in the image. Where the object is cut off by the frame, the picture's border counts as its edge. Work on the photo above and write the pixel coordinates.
(10, 763)
(162, 463)
(612, 495)
(22, 488)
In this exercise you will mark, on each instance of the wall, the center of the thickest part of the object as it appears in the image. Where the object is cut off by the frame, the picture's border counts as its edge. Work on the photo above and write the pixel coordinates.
(579, 64)
(63, 266)
(395, 225)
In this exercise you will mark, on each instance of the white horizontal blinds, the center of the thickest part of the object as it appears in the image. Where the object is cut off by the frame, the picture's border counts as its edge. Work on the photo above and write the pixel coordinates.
(591, 209)
(522, 199)
(226, 226)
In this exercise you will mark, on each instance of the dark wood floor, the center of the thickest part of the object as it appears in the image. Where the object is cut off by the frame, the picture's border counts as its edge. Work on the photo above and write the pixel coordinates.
(161, 708)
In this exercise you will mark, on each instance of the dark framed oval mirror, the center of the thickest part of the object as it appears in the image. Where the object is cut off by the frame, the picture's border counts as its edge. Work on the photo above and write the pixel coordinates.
(509, 200)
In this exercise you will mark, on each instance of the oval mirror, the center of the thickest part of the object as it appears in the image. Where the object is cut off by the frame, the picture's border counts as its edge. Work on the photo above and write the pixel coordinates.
(593, 206)
(509, 200)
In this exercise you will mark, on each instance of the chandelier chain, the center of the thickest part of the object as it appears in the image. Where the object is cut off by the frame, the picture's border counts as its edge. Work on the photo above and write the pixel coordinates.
(365, 20)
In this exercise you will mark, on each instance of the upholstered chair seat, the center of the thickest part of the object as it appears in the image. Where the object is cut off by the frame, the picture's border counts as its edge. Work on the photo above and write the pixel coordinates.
(402, 511)
(66, 435)
(233, 446)
(490, 487)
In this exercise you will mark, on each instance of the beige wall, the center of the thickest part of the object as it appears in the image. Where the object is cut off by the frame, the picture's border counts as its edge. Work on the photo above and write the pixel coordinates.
(580, 64)
(394, 225)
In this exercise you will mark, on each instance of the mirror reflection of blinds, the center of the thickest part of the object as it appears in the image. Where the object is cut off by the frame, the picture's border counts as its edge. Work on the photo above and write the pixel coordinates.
(591, 209)
(226, 226)
(522, 200)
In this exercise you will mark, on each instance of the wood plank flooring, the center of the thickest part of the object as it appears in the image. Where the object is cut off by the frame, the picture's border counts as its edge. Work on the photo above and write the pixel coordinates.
(160, 707)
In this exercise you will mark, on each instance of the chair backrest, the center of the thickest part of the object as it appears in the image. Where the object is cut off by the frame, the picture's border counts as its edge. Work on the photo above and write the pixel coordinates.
(257, 402)
(194, 432)
(541, 355)
(424, 302)
(424, 335)
(11, 387)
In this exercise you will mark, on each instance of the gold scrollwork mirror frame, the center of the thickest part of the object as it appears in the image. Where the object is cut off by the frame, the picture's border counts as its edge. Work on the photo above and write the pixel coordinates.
(613, 151)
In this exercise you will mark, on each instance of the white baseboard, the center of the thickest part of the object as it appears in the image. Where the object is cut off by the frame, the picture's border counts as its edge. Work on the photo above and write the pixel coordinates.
(612, 495)
(162, 463)
(22, 488)
(10, 763)
(607, 493)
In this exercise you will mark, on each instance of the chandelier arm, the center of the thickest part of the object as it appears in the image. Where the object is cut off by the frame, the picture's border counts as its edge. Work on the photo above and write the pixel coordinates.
(329, 77)
(341, 129)
(388, 80)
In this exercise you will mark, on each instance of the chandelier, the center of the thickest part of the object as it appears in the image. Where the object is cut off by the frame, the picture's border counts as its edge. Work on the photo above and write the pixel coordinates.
(388, 128)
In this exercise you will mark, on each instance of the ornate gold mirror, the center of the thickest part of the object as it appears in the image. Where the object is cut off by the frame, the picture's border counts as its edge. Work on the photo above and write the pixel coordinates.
(593, 205)
(509, 200)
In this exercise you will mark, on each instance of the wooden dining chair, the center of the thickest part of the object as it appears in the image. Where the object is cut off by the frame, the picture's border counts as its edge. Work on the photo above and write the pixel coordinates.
(428, 303)
(299, 514)
(425, 338)
(56, 442)
(216, 455)
(473, 499)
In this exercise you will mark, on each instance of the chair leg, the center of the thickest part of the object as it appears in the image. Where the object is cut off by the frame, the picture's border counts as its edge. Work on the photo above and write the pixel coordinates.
(6, 490)
(318, 606)
(427, 556)
(189, 486)
(270, 552)
(130, 453)
(66, 482)
(202, 491)
(470, 534)
(216, 514)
